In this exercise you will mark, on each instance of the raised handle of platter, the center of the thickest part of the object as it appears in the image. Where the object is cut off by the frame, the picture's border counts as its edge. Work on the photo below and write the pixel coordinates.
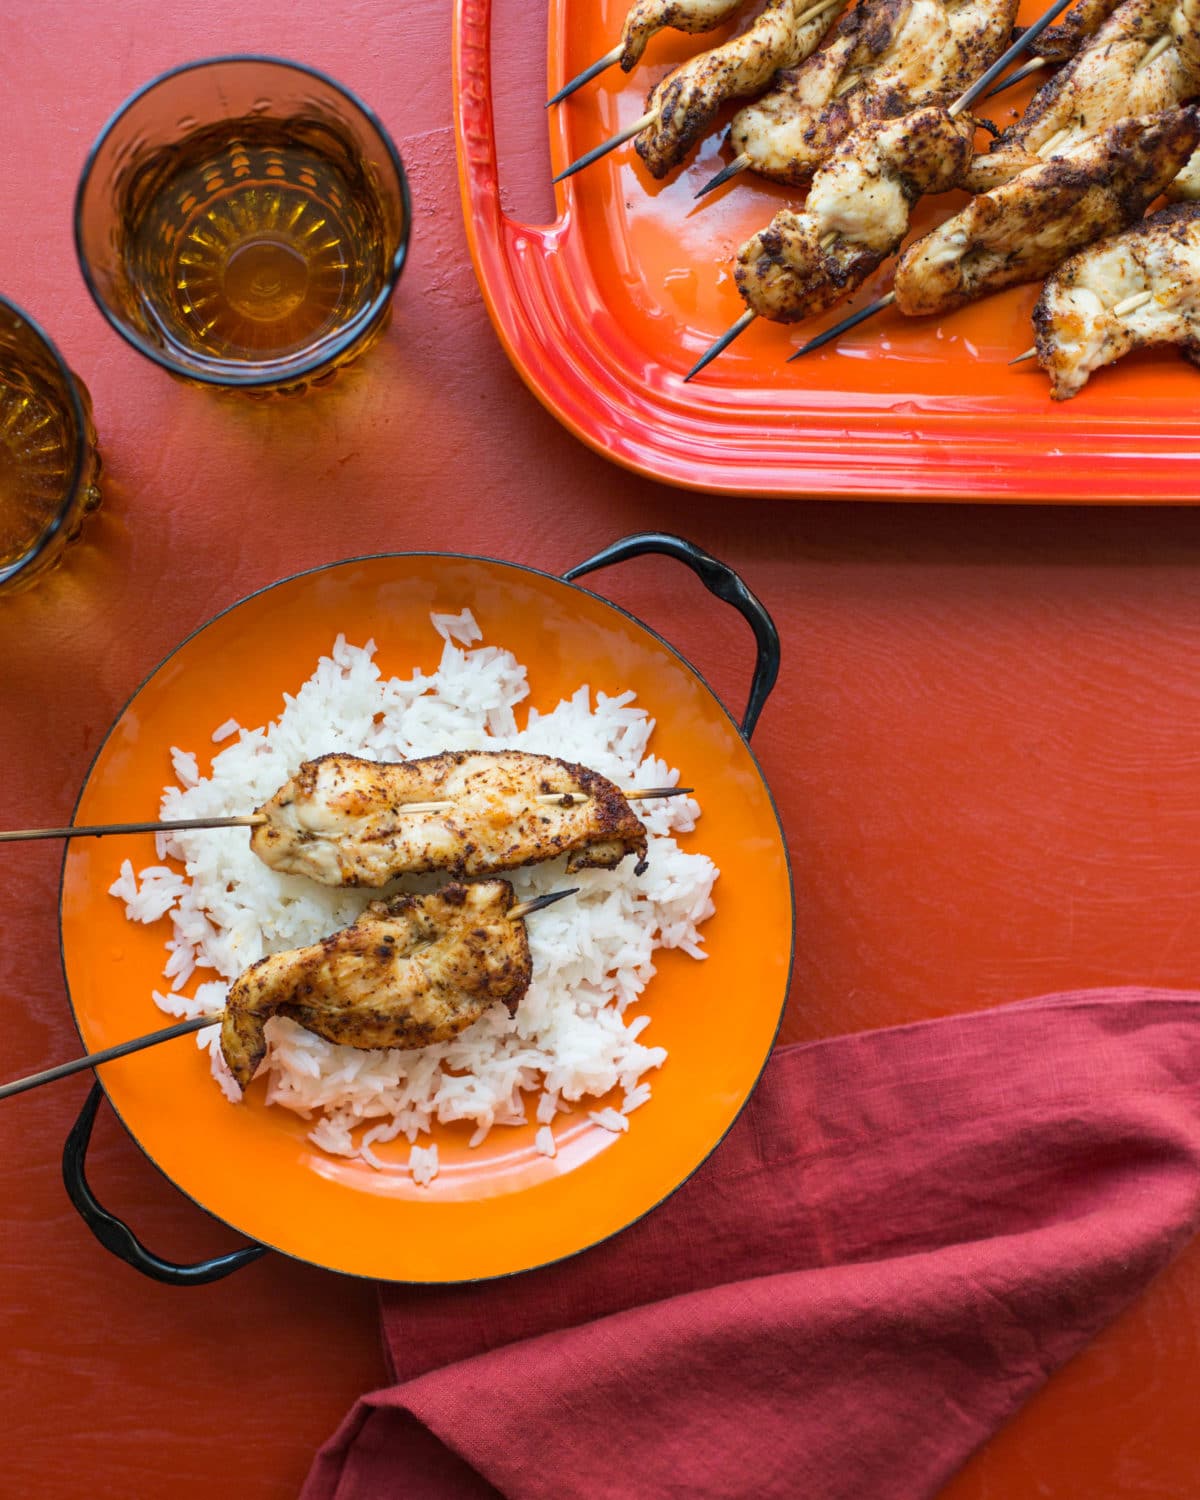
(719, 579)
(115, 1235)
(475, 131)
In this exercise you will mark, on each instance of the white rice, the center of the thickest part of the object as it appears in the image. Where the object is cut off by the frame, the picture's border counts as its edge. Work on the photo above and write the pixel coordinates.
(592, 954)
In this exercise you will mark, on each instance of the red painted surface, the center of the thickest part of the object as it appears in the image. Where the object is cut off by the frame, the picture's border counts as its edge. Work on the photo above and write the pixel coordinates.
(984, 744)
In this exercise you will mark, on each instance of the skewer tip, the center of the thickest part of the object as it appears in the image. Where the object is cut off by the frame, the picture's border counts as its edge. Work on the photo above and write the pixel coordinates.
(593, 70)
(1021, 358)
(1022, 44)
(844, 326)
(539, 903)
(738, 164)
(1035, 65)
(722, 343)
(605, 147)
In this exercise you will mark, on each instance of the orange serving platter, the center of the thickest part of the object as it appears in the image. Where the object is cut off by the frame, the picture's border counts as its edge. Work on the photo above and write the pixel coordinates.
(501, 1207)
(604, 310)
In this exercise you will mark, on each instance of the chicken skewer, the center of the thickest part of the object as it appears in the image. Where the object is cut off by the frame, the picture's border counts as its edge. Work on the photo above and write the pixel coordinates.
(1142, 60)
(645, 18)
(257, 819)
(1145, 58)
(1062, 41)
(887, 57)
(856, 214)
(337, 820)
(872, 169)
(1131, 291)
(681, 105)
(413, 984)
(412, 971)
(1023, 229)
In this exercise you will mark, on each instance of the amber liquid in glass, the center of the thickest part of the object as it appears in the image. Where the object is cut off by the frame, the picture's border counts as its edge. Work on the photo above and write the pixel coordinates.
(37, 456)
(254, 241)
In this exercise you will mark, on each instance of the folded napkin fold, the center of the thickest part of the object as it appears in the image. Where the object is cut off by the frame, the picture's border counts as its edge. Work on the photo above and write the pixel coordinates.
(904, 1235)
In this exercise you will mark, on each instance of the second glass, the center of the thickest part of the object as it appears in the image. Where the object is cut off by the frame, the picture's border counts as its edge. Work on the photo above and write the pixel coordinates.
(243, 221)
(49, 462)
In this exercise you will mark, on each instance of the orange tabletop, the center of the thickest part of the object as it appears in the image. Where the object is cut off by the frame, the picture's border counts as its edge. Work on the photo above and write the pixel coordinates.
(983, 744)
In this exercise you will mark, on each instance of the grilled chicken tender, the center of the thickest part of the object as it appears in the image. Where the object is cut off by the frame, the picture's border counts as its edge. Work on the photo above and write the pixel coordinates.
(688, 97)
(1108, 81)
(1082, 21)
(886, 58)
(1130, 291)
(646, 17)
(341, 820)
(412, 971)
(1023, 230)
(856, 213)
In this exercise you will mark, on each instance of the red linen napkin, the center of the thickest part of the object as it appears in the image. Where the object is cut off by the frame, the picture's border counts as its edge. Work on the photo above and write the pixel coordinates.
(925, 1220)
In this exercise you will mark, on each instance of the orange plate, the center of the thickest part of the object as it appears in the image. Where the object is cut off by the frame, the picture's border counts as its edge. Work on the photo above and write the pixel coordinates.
(603, 311)
(502, 1207)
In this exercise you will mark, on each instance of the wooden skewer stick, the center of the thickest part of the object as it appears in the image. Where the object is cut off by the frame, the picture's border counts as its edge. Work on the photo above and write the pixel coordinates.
(248, 820)
(539, 903)
(845, 325)
(1156, 51)
(198, 1023)
(568, 799)
(722, 343)
(109, 1054)
(738, 164)
(1121, 310)
(1022, 44)
(1131, 304)
(1049, 147)
(609, 145)
(587, 75)
(98, 831)
(256, 820)
(964, 101)
(1034, 65)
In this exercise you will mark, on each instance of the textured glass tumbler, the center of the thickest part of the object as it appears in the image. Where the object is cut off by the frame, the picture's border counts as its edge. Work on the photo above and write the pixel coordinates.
(49, 461)
(242, 222)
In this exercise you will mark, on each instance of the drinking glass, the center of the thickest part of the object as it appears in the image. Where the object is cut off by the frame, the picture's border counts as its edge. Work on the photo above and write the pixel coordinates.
(242, 221)
(49, 461)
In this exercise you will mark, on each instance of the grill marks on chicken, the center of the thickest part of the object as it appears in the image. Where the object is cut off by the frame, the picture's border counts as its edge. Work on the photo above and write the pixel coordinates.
(341, 821)
(856, 214)
(886, 58)
(1025, 228)
(687, 99)
(1106, 82)
(412, 971)
(647, 17)
(1131, 291)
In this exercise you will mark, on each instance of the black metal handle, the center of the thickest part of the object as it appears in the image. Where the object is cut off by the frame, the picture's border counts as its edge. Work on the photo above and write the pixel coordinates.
(719, 579)
(115, 1235)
